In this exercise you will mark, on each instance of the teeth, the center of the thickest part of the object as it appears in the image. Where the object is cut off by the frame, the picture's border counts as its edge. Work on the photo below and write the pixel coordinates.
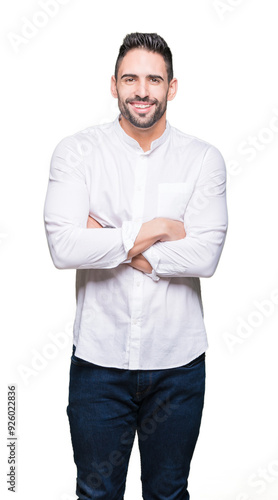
(142, 106)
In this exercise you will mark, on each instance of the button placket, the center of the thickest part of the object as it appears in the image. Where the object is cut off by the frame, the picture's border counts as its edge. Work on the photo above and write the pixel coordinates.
(139, 187)
(137, 290)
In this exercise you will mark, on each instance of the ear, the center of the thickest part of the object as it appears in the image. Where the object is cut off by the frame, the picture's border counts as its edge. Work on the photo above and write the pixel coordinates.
(172, 90)
(114, 91)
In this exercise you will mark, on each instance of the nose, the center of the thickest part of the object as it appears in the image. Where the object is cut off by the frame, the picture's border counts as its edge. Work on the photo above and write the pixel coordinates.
(142, 90)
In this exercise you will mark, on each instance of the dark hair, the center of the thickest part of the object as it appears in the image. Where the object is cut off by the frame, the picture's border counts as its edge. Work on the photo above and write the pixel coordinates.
(148, 41)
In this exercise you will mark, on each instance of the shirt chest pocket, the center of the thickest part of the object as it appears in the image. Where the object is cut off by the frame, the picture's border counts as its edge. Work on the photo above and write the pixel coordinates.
(172, 199)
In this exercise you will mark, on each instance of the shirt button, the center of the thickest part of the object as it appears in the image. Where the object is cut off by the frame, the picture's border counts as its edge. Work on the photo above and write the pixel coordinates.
(138, 283)
(134, 321)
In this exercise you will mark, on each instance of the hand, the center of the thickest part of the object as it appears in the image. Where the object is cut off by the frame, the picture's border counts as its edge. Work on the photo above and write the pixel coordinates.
(140, 262)
(173, 230)
(92, 223)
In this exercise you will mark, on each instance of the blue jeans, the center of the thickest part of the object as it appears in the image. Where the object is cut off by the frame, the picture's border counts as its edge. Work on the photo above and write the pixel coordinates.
(107, 406)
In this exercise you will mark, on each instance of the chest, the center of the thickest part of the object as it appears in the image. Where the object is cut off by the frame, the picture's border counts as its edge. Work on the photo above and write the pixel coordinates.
(128, 187)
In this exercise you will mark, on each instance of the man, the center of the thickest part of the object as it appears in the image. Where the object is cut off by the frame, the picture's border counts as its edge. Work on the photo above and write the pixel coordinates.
(138, 360)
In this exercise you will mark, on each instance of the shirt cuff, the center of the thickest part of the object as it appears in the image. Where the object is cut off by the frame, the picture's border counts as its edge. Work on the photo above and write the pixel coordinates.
(130, 230)
(153, 275)
(153, 259)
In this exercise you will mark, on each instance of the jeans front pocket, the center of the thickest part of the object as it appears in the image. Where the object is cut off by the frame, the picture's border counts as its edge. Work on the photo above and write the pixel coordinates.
(196, 361)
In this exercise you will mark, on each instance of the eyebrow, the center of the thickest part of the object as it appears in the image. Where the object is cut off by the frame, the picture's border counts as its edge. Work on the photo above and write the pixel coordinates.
(131, 75)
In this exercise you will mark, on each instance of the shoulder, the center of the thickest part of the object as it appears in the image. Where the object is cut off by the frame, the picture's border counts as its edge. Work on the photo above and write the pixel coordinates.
(205, 158)
(83, 140)
(192, 143)
(74, 150)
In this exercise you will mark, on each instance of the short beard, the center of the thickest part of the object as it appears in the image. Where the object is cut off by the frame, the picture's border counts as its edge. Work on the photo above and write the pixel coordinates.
(136, 122)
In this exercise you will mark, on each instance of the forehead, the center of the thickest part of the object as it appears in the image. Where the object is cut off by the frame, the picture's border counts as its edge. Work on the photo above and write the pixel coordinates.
(142, 62)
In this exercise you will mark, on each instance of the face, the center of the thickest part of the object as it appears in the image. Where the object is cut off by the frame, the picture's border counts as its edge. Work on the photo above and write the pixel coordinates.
(142, 88)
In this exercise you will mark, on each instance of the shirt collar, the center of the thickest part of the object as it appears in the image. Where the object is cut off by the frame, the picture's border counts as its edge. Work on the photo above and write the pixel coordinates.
(133, 143)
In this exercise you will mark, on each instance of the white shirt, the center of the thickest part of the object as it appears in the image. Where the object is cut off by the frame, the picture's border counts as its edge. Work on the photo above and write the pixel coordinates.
(124, 317)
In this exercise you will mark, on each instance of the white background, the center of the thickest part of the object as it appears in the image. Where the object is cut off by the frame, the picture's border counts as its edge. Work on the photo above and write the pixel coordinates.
(57, 82)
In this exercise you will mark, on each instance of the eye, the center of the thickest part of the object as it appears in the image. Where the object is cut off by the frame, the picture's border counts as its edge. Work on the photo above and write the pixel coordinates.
(130, 80)
(154, 80)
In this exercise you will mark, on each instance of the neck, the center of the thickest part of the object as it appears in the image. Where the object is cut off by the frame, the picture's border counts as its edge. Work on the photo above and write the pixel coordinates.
(144, 136)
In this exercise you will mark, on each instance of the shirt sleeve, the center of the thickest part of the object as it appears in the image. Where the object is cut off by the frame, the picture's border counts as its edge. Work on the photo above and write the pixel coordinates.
(205, 222)
(72, 245)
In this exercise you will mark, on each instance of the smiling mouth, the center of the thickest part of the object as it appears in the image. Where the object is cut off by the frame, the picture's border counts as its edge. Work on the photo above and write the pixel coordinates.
(141, 107)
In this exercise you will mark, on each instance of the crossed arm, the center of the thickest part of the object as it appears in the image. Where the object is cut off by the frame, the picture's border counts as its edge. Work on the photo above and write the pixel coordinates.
(158, 229)
(159, 246)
